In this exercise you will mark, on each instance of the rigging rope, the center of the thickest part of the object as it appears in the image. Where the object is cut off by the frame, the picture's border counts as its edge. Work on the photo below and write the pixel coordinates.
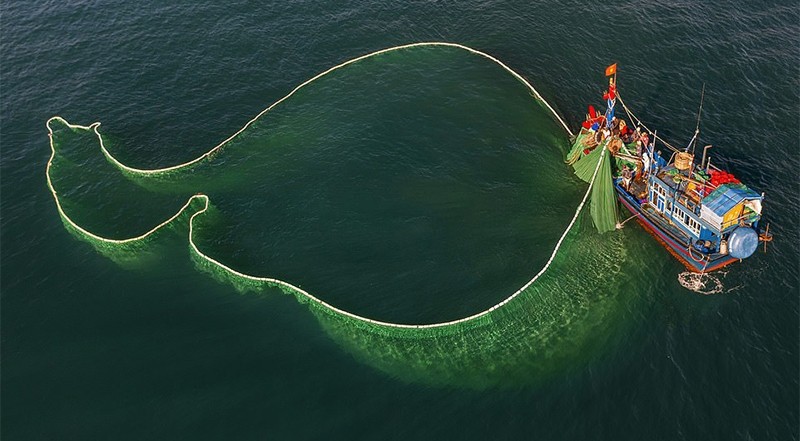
(640, 123)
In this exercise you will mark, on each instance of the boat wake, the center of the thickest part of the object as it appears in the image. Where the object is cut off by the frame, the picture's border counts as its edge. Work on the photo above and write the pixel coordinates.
(701, 283)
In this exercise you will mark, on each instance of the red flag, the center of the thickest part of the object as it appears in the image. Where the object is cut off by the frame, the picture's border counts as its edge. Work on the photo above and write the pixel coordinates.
(611, 70)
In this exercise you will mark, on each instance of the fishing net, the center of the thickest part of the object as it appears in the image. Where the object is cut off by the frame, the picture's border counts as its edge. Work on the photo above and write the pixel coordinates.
(555, 320)
(604, 198)
(584, 140)
(587, 163)
(604, 202)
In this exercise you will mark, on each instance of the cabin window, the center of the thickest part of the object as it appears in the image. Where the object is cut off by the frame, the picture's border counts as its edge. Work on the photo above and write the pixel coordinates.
(694, 226)
(669, 206)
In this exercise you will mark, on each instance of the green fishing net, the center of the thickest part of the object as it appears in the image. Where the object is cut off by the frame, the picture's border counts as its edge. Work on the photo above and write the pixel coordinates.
(603, 202)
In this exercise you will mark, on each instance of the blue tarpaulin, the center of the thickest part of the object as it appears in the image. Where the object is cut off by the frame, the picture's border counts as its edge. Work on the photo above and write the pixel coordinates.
(726, 196)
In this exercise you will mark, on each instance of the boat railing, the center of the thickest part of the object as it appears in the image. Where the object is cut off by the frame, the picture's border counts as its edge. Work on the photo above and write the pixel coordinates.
(743, 219)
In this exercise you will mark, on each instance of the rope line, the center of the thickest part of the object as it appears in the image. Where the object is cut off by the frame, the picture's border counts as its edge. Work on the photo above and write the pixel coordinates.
(640, 123)
(93, 127)
(314, 78)
(621, 224)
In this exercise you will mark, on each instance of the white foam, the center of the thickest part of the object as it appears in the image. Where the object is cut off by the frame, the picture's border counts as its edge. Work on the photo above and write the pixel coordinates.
(701, 283)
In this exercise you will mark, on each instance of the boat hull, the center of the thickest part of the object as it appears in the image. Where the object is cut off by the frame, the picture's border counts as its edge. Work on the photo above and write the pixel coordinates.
(692, 260)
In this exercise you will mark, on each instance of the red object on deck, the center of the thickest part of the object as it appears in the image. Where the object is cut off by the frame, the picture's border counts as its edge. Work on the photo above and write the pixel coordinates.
(721, 177)
(592, 112)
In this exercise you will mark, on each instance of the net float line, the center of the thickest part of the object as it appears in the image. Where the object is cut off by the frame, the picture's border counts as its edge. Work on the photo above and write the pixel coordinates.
(276, 282)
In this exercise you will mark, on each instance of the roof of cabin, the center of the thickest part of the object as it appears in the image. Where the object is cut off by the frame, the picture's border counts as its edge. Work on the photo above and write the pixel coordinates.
(727, 196)
(666, 176)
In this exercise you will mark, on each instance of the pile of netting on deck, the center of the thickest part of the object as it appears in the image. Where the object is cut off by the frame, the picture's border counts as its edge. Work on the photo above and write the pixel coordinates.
(584, 157)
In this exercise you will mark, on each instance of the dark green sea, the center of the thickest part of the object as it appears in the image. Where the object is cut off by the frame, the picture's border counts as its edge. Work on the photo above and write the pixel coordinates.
(417, 186)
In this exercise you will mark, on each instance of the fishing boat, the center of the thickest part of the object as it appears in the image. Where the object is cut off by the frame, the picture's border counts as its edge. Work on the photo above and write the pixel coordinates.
(703, 215)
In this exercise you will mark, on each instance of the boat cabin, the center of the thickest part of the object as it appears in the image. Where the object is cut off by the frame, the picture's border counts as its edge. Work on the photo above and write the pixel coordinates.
(674, 201)
(700, 207)
(730, 205)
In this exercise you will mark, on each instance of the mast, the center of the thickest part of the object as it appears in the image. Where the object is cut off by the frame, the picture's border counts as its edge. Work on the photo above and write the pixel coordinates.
(693, 142)
(653, 152)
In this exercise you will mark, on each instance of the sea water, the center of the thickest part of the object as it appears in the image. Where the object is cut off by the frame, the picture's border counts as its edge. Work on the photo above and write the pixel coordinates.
(416, 188)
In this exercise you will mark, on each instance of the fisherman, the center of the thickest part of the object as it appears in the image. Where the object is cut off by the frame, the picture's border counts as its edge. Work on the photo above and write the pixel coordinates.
(645, 139)
(637, 136)
(626, 133)
(658, 159)
(604, 134)
(627, 175)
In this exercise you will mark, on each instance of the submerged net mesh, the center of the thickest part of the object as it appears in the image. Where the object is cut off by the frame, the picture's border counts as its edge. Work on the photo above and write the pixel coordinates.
(555, 319)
